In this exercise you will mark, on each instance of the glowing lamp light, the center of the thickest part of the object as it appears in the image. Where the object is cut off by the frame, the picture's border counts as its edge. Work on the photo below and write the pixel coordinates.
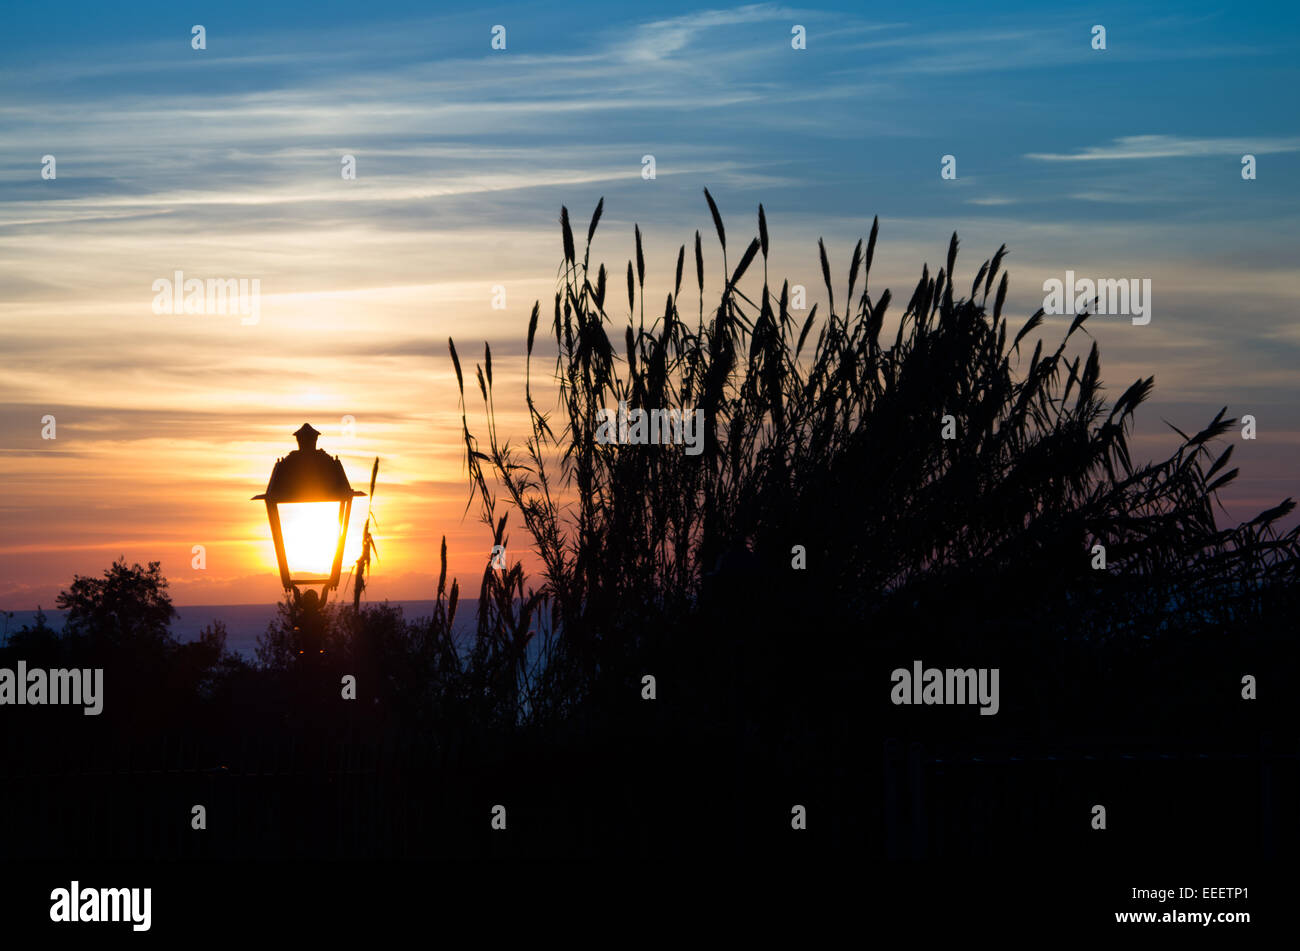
(308, 503)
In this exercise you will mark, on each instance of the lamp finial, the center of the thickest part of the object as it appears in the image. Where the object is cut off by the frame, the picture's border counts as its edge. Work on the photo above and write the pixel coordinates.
(306, 437)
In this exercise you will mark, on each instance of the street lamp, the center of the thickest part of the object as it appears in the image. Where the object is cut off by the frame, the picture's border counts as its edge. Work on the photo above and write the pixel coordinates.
(308, 502)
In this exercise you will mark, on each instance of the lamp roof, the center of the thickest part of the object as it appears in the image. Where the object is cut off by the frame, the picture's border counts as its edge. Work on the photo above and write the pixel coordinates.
(308, 474)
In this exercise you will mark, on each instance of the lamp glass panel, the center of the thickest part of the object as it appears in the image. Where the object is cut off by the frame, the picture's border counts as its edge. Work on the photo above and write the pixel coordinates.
(311, 535)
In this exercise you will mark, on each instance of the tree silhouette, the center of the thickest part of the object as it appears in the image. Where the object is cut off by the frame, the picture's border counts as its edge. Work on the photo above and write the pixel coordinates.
(127, 608)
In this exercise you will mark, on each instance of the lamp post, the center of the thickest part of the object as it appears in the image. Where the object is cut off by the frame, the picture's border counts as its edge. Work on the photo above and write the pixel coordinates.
(308, 503)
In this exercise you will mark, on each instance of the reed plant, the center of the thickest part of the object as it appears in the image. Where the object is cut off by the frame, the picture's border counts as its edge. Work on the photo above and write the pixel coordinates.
(823, 432)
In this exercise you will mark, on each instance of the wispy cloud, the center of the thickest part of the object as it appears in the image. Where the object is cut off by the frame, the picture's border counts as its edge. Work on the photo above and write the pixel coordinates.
(1171, 146)
(662, 39)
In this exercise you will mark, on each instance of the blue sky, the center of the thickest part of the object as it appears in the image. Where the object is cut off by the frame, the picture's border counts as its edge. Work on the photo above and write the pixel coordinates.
(225, 162)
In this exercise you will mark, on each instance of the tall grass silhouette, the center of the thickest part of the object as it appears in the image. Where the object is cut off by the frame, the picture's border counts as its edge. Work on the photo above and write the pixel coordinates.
(821, 434)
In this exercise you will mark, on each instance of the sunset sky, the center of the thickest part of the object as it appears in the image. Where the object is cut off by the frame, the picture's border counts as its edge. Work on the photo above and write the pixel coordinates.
(225, 163)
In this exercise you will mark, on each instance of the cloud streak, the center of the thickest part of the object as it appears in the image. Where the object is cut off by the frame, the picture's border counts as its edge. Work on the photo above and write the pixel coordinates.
(1145, 147)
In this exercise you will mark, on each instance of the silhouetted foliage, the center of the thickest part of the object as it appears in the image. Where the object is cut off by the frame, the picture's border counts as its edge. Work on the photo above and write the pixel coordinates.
(654, 559)
(206, 663)
(35, 640)
(127, 608)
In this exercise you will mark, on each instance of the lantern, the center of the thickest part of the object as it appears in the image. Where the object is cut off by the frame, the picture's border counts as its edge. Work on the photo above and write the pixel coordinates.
(308, 503)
